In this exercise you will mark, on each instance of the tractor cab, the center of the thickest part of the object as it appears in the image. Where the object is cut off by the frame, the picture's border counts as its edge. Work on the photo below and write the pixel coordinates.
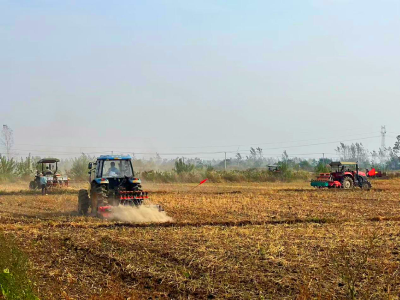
(48, 166)
(111, 170)
(341, 168)
(348, 175)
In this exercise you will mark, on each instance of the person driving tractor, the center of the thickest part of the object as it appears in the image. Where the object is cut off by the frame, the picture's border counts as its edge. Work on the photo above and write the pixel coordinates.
(113, 169)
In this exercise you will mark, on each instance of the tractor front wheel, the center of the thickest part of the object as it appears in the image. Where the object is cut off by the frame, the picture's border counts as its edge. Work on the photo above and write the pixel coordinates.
(83, 202)
(347, 183)
(366, 186)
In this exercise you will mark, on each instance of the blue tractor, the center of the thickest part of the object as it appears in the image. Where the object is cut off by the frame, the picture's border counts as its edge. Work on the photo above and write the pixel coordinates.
(111, 183)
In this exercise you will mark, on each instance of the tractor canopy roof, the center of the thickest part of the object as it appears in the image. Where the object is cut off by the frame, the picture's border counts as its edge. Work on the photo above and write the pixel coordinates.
(114, 157)
(49, 160)
(342, 163)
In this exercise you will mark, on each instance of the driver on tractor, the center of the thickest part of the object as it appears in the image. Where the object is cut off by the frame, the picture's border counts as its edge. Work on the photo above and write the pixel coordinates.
(113, 169)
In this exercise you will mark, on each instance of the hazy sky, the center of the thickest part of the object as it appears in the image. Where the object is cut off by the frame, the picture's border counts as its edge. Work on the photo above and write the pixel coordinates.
(198, 76)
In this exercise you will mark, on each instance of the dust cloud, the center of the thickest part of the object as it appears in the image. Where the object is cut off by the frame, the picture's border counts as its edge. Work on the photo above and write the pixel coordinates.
(141, 214)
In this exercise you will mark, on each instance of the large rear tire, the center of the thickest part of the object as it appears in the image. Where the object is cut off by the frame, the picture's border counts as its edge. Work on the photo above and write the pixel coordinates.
(347, 183)
(99, 198)
(83, 202)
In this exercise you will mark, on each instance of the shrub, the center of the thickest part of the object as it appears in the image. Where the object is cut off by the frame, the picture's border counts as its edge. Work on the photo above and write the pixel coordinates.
(182, 167)
(14, 283)
(250, 175)
(23, 168)
(322, 168)
(7, 168)
(79, 168)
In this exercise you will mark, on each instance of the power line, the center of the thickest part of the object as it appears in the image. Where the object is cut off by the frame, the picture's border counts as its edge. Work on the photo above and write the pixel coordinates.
(194, 147)
(317, 144)
(282, 142)
(194, 153)
(218, 152)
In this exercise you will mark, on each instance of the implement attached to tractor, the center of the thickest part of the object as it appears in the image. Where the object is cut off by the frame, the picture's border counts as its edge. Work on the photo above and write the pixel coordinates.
(111, 183)
(344, 175)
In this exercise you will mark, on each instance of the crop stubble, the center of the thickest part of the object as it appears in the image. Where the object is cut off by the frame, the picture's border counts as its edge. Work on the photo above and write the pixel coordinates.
(239, 241)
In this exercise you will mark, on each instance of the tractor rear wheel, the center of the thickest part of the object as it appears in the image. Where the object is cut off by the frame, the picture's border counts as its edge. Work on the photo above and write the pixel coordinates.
(99, 198)
(83, 202)
(347, 183)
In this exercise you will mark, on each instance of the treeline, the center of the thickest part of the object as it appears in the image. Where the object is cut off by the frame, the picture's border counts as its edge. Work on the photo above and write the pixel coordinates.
(253, 167)
(384, 159)
(11, 169)
(172, 170)
(189, 172)
(25, 168)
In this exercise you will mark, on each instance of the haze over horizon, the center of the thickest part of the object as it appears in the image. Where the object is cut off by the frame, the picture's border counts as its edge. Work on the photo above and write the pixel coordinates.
(201, 77)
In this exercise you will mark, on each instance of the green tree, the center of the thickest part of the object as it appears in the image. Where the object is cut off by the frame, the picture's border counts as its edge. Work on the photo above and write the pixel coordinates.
(24, 168)
(7, 168)
(354, 152)
(182, 167)
(305, 165)
(79, 168)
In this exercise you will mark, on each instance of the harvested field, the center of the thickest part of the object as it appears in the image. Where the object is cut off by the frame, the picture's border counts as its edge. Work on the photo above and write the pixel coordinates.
(231, 241)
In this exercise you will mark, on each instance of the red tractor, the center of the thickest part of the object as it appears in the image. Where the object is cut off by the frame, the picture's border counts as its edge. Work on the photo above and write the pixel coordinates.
(344, 175)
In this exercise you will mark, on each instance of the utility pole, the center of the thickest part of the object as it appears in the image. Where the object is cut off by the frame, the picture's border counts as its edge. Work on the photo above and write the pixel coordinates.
(383, 144)
(323, 158)
(383, 135)
(225, 161)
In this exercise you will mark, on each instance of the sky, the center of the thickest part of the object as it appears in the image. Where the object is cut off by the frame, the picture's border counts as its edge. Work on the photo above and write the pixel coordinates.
(198, 78)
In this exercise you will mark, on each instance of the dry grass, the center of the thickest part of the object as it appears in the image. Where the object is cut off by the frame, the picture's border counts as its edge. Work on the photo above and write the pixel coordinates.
(237, 241)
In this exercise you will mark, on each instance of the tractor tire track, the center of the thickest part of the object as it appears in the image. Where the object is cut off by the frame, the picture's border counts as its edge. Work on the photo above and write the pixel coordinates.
(43, 223)
(195, 224)
(145, 281)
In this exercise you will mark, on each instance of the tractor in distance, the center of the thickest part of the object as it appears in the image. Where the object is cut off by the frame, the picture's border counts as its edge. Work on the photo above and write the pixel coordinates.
(49, 168)
(274, 168)
(344, 175)
(111, 183)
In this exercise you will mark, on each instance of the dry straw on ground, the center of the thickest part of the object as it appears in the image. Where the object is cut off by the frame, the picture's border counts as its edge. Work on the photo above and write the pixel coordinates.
(226, 241)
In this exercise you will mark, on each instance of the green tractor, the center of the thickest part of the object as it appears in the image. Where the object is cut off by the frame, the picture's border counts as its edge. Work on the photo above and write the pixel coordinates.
(111, 183)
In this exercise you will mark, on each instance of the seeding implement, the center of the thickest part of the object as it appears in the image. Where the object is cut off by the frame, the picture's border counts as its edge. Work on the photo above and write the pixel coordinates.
(375, 174)
(49, 168)
(111, 183)
(344, 175)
